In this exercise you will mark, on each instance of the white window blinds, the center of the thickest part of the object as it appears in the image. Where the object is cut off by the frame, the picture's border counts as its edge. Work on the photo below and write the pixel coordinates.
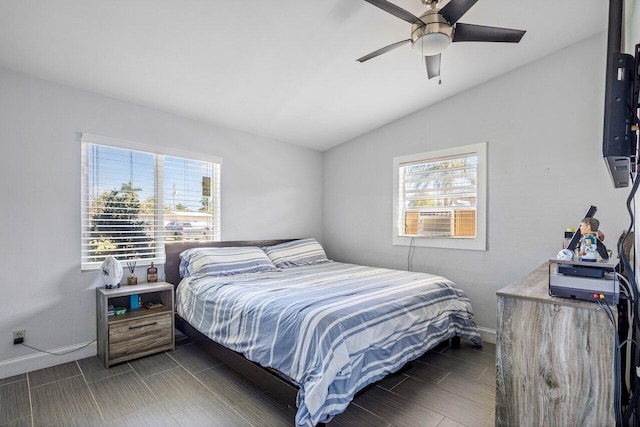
(440, 198)
(135, 197)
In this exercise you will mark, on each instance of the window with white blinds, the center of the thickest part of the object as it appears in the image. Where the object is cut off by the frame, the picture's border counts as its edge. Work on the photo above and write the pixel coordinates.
(439, 198)
(135, 197)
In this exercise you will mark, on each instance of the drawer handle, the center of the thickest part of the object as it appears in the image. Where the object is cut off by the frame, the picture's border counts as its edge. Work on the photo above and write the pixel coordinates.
(142, 326)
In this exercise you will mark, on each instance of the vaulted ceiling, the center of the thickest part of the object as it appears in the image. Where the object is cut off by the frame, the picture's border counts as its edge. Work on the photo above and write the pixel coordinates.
(281, 69)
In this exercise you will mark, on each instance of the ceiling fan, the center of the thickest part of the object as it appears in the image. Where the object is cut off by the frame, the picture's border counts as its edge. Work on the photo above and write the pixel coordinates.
(436, 29)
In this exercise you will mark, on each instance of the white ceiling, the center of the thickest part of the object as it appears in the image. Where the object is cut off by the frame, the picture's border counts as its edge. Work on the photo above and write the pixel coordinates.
(281, 69)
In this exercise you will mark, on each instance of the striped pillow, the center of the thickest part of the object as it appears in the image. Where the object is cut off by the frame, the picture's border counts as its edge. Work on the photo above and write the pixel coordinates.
(296, 253)
(224, 261)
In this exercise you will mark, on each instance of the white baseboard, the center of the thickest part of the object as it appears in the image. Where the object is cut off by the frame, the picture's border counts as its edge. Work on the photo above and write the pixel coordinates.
(488, 335)
(35, 361)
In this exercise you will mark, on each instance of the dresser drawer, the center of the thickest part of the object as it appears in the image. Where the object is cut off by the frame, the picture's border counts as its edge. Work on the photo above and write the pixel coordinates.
(140, 335)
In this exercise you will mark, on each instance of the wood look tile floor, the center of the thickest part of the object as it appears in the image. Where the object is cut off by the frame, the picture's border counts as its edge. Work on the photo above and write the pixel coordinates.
(187, 387)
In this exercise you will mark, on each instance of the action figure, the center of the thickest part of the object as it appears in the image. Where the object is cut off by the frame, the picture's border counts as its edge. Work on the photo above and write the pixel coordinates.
(590, 237)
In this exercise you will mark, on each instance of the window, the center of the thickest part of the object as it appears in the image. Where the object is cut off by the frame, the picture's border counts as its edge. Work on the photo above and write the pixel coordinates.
(135, 197)
(440, 198)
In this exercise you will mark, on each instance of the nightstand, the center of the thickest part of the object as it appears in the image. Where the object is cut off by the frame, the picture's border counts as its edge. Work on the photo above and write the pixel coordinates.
(138, 332)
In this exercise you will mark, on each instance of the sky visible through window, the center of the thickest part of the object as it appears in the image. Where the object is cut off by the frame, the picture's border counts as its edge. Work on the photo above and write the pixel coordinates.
(111, 168)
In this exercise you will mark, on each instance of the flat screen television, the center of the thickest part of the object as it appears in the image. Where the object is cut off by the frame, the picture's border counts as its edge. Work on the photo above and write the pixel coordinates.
(621, 103)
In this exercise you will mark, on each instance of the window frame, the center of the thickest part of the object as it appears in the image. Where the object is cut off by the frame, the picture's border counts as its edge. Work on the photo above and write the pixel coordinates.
(159, 153)
(479, 243)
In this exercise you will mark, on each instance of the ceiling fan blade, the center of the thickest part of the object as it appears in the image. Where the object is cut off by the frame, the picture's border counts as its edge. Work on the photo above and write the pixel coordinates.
(395, 10)
(433, 65)
(383, 50)
(455, 9)
(482, 33)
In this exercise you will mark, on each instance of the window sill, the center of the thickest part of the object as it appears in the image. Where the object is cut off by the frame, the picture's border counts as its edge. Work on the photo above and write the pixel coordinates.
(450, 243)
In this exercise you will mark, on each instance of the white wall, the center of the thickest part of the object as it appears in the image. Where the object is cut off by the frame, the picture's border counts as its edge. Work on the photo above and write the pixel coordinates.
(543, 125)
(269, 190)
(631, 35)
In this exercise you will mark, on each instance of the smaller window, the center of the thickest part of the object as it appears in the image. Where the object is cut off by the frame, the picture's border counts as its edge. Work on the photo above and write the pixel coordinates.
(439, 198)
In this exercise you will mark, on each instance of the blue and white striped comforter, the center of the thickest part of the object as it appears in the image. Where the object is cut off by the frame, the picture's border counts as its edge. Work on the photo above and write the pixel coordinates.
(332, 328)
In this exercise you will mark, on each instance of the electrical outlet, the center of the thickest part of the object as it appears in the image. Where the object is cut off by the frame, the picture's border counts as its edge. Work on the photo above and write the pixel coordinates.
(18, 336)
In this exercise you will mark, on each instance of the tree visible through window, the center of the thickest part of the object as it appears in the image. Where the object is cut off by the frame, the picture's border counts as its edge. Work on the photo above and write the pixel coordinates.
(115, 224)
(135, 198)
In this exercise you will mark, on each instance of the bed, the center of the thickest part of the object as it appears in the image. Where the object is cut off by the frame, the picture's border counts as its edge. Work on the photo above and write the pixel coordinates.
(310, 330)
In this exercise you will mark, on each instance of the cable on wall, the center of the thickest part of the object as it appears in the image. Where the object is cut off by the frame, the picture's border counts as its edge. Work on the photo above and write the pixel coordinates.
(633, 288)
(617, 393)
(58, 354)
(410, 255)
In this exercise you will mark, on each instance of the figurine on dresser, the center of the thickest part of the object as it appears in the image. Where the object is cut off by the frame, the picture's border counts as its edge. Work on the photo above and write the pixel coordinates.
(591, 238)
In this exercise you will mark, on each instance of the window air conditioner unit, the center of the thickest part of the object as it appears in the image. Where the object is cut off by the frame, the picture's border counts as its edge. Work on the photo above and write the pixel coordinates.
(436, 223)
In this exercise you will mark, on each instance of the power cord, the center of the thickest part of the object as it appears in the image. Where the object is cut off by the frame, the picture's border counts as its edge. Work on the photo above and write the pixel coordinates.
(617, 393)
(632, 288)
(59, 354)
(410, 255)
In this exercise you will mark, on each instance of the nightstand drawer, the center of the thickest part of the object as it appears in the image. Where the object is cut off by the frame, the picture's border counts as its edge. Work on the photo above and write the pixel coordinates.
(140, 335)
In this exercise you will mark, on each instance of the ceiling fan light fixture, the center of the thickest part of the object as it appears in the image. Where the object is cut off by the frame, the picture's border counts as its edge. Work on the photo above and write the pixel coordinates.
(431, 44)
(431, 35)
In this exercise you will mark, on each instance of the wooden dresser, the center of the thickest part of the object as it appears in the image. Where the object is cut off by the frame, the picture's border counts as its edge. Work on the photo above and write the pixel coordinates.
(554, 358)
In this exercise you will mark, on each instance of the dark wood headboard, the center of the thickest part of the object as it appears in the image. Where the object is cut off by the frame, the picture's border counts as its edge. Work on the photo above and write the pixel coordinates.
(173, 250)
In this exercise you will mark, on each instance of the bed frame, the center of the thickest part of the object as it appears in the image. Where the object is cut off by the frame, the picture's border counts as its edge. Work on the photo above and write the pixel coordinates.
(268, 380)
